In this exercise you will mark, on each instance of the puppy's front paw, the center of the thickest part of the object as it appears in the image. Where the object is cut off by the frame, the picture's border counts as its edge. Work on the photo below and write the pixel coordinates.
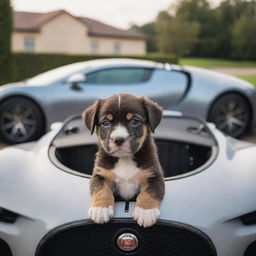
(101, 215)
(146, 217)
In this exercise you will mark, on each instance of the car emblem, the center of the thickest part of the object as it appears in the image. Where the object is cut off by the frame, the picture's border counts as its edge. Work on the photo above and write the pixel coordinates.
(127, 242)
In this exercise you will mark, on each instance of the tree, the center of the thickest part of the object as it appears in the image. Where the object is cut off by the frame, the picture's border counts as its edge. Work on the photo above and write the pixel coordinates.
(201, 12)
(244, 38)
(150, 31)
(228, 13)
(175, 34)
(6, 22)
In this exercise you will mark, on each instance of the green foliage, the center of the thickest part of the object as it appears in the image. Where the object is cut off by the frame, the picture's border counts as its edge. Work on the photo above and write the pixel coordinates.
(244, 38)
(200, 11)
(215, 63)
(219, 32)
(26, 65)
(251, 79)
(176, 35)
(150, 31)
(5, 39)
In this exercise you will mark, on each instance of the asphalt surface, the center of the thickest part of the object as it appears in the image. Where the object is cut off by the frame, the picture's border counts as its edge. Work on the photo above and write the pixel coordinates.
(237, 71)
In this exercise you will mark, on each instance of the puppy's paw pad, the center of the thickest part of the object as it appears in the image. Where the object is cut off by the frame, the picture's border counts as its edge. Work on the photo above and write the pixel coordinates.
(146, 217)
(101, 214)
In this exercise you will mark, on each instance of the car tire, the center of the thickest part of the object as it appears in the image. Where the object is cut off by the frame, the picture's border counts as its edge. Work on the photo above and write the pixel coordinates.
(231, 114)
(20, 120)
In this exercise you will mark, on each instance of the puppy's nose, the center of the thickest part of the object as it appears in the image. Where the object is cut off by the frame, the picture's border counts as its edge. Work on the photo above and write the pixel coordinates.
(119, 141)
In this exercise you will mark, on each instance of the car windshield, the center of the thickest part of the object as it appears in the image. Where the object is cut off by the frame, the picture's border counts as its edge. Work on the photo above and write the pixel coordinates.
(56, 74)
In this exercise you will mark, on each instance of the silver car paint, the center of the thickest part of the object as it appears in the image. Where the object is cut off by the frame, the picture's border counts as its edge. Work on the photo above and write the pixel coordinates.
(58, 100)
(46, 197)
(208, 86)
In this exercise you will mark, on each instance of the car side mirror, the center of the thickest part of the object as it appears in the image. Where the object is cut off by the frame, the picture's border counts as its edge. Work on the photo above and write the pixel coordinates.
(75, 79)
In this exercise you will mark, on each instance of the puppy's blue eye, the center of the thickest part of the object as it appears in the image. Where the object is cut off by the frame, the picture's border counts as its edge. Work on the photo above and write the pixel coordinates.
(135, 122)
(105, 123)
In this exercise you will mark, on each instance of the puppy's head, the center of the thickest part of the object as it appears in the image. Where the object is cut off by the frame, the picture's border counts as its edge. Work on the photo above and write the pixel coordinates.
(122, 122)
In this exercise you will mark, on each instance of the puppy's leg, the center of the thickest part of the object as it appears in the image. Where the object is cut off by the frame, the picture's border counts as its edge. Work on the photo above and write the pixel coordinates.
(102, 208)
(146, 210)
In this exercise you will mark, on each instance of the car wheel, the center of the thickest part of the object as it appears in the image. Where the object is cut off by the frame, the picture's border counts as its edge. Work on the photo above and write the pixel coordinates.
(231, 114)
(20, 121)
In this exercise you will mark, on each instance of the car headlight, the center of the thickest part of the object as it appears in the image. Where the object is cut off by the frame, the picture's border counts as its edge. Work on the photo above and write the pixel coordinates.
(7, 216)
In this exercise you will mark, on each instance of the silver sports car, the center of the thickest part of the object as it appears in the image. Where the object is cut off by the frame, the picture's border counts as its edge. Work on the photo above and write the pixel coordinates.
(209, 208)
(28, 108)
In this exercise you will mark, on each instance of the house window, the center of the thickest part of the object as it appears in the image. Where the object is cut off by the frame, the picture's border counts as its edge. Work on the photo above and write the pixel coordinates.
(94, 46)
(117, 48)
(29, 44)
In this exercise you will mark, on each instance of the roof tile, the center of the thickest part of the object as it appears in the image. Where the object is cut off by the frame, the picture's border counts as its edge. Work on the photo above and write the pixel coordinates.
(33, 21)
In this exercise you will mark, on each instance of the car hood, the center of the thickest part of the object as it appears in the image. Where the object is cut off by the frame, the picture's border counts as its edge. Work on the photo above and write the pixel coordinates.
(17, 84)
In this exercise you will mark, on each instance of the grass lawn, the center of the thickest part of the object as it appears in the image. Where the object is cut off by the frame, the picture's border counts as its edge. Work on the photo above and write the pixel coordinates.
(251, 79)
(213, 63)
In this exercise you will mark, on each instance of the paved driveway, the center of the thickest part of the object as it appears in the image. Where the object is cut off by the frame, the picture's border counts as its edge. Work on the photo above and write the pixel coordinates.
(237, 71)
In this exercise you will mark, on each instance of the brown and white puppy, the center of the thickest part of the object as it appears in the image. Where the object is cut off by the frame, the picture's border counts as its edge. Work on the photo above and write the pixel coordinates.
(126, 163)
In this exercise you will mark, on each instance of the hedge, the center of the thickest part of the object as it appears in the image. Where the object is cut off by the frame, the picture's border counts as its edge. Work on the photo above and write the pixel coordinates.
(27, 65)
(6, 22)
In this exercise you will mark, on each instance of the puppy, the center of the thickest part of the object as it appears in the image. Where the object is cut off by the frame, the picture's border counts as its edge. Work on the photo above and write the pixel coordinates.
(126, 163)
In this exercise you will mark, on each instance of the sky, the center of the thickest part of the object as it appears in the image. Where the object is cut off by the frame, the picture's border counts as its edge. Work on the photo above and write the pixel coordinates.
(118, 13)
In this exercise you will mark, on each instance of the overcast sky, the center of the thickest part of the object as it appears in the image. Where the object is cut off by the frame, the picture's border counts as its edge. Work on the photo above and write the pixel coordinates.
(119, 13)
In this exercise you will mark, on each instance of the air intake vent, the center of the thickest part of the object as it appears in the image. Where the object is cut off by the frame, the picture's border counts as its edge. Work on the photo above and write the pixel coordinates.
(162, 239)
(249, 218)
(7, 216)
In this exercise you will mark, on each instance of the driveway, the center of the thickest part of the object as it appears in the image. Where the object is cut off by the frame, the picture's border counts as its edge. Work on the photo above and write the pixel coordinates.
(236, 71)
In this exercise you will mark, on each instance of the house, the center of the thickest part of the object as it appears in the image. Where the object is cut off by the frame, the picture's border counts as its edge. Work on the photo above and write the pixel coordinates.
(60, 32)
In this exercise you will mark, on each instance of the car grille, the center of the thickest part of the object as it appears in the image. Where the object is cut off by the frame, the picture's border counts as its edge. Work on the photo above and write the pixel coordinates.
(163, 239)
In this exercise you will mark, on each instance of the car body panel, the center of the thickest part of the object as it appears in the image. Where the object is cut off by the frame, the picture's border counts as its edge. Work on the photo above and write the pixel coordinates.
(207, 86)
(211, 200)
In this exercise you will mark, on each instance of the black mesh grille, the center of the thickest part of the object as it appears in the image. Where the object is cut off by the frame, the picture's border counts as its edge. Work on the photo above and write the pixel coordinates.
(162, 239)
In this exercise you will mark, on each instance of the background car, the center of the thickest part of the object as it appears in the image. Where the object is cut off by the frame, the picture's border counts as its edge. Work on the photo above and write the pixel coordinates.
(208, 209)
(28, 108)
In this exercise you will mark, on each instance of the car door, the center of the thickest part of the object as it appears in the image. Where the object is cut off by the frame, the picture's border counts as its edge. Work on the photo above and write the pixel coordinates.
(163, 86)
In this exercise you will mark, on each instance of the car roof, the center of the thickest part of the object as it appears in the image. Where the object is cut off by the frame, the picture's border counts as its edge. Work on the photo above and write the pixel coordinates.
(121, 62)
(90, 65)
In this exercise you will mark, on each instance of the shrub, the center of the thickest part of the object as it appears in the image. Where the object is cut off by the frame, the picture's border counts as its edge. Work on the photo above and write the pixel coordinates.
(5, 40)
(27, 65)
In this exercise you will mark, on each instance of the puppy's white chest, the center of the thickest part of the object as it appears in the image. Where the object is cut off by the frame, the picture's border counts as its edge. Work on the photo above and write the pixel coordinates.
(127, 182)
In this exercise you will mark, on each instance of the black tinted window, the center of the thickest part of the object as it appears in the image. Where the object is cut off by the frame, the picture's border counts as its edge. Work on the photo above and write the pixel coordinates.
(119, 76)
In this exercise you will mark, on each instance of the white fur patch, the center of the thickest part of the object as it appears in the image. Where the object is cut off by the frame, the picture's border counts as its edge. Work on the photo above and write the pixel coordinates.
(119, 131)
(119, 101)
(127, 182)
(146, 217)
(101, 214)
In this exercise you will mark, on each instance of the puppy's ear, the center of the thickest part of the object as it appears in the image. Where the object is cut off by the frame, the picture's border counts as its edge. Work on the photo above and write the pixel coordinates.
(90, 115)
(154, 112)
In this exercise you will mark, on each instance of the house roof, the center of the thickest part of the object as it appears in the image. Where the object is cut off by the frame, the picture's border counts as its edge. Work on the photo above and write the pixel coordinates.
(33, 21)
